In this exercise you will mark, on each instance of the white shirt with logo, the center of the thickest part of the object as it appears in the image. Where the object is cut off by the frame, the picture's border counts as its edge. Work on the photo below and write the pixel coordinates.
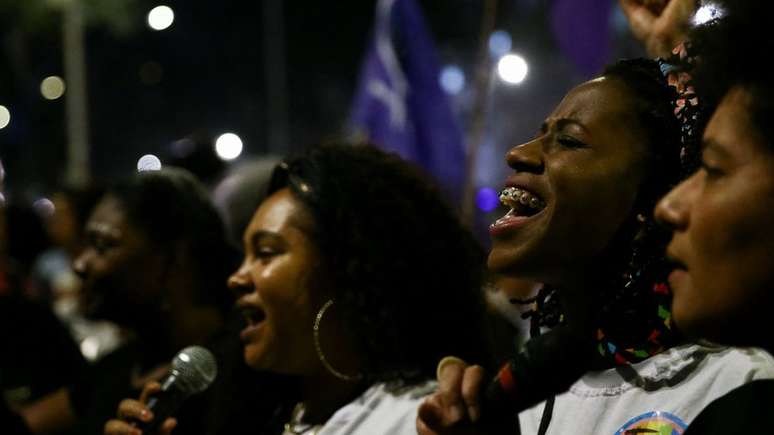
(379, 412)
(660, 395)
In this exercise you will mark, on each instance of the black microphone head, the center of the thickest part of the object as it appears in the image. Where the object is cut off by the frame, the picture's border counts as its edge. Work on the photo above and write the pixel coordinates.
(195, 369)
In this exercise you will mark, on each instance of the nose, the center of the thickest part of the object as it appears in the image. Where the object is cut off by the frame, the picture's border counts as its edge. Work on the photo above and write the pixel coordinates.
(527, 157)
(673, 210)
(239, 282)
(81, 263)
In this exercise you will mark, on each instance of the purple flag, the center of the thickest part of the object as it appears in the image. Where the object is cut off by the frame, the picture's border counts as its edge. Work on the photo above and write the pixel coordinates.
(582, 30)
(399, 104)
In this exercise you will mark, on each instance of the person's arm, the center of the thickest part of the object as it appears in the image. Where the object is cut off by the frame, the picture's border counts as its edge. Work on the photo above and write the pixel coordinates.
(660, 25)
(50, 413)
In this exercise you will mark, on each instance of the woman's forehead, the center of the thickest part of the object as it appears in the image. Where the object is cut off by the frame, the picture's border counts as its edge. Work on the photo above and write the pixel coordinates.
(280, 212)
(602, 99)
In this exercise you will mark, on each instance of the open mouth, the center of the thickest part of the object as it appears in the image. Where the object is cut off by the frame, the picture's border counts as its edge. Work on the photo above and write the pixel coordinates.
(521, 201)
(253, 316)
(675, 264)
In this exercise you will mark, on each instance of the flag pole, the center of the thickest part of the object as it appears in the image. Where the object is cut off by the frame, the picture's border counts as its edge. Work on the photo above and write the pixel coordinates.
(483, 78)
(275, 70)
(76, 100)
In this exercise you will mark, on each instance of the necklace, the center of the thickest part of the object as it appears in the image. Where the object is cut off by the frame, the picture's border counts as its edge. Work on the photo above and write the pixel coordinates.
(296, 427)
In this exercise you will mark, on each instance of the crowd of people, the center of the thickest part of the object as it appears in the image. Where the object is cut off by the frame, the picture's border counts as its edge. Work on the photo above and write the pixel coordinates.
(635, 239)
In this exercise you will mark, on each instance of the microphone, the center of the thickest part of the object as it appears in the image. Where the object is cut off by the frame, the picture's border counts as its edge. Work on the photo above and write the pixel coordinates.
(193, 370)
(548, 365)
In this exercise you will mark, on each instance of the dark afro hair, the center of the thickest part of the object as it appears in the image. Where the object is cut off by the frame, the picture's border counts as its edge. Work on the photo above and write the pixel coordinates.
(172, 207)
(406, 274)
(735, 51)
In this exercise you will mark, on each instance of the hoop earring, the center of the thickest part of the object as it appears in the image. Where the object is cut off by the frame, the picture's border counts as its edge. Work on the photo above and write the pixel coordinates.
(318, 347)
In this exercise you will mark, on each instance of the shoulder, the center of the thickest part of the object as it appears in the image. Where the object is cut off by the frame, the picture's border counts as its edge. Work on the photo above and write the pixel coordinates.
(736, 365)
(744, 364)
(380, 410)
(746, 409)
(672, 388)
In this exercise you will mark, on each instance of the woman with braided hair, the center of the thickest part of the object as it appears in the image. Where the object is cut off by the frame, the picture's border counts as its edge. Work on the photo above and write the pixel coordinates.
(580, 221)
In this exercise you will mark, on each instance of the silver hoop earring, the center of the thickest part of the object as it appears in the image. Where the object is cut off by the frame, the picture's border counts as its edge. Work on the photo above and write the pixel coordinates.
(318, 347)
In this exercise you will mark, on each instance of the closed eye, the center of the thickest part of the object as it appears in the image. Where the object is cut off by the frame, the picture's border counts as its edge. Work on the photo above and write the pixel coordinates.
(570, 142)
(265, 252)
(711, 171)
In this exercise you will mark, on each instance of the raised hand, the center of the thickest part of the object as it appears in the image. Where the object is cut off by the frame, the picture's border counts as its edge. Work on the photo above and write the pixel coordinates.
(660, 25)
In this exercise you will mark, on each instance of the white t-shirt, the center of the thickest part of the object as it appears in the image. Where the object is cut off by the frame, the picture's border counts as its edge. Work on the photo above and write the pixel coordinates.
(666, 391)
(379, 412)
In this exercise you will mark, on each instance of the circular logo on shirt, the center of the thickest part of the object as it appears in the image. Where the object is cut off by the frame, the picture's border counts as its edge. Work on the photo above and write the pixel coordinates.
(656, 422)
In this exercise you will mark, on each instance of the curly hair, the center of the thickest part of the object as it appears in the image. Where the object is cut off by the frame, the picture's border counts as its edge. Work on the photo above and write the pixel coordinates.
(735, 51)
(635, 261)
(172, 207)
(407, 274)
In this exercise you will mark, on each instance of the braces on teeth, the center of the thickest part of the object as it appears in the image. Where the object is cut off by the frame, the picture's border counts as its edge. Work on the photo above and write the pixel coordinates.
(512, 194)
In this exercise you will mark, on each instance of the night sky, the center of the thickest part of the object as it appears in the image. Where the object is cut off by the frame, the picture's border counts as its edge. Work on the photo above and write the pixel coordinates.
(205, 75)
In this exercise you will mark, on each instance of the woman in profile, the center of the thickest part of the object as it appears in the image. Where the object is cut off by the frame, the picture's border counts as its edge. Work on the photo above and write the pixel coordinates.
(154, 263)
(581, 197)
(357, 278)
(721, 217)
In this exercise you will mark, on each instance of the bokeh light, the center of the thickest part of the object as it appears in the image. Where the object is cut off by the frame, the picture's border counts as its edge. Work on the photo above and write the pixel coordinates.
(512, 69)
(707, 13)
(148, 162)
(452, 79)
(161, 17)
(5, 117)
(487, 199)
(90, 348)
(228, 146)
(52, 87)
(44, 207)
(499, 43)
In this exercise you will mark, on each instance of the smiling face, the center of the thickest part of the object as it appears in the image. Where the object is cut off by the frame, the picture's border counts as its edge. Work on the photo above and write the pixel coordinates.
(276, 283)
(581, 175)
(723, 236)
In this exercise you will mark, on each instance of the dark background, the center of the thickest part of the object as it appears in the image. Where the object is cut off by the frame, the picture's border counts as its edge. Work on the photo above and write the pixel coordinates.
(205, 75)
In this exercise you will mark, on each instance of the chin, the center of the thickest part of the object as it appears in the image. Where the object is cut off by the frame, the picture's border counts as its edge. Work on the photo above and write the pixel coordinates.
(254, 359)
(696, 326)
(520, 263)
(506, 257)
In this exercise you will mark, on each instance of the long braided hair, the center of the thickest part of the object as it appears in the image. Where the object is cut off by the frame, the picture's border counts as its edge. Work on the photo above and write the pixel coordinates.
(634, 319)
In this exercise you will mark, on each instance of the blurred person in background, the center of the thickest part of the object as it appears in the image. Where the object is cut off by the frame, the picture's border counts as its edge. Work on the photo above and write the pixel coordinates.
(357, 277)
(25, 238)
(39, 358)
(55, 281)
(64, 225)
(239, 193)
(155, 263)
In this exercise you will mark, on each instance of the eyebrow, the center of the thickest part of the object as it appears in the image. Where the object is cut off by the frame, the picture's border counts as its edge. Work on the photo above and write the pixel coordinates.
(561, 123)
(103, 230)
(716, 147)
(261, 234)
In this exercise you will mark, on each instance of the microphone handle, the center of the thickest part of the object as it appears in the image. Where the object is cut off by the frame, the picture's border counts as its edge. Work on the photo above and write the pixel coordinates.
(548, 365)
(164, 404)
